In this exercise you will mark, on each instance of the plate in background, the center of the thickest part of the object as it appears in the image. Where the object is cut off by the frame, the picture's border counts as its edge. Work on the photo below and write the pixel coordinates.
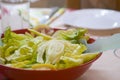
(95, 20)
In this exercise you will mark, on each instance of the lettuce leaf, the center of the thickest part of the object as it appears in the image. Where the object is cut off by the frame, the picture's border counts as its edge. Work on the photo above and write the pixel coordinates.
(72, 35)
(67, 62)
(86, 57)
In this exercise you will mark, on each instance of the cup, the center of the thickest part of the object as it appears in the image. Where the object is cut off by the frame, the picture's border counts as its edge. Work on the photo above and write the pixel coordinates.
(15, 14)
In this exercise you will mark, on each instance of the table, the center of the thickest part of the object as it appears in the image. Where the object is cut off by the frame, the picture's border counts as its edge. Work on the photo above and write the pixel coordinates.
(107, 67)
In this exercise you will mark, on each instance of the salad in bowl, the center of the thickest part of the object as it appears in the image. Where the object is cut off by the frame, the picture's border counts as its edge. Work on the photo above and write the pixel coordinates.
(39, 51)
(57, 54)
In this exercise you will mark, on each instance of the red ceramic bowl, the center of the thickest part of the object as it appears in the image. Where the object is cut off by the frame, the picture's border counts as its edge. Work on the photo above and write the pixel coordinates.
(65, 74)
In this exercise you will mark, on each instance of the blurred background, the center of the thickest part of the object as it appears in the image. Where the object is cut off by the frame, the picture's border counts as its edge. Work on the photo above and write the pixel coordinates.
(52, 8)
(77, 4)
(48, 3)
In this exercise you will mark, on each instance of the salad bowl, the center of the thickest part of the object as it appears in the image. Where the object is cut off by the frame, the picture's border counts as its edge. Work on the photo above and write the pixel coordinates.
(71, 73)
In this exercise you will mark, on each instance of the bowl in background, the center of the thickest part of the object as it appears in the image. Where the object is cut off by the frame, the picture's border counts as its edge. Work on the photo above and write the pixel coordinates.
(97, 21)
(64, 74)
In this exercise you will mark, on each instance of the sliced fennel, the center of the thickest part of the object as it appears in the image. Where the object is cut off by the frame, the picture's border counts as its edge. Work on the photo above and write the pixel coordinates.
(54, 51)
(41, 51)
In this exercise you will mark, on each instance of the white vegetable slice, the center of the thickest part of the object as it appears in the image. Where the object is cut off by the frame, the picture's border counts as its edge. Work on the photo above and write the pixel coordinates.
(54, 51)
(41, 50)
(2, 61)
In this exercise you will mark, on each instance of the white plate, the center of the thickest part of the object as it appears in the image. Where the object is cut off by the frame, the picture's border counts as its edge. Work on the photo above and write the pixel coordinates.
(96, 19)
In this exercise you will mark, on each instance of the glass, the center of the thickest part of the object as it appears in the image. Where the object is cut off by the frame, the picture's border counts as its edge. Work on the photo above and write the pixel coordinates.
(15, 14)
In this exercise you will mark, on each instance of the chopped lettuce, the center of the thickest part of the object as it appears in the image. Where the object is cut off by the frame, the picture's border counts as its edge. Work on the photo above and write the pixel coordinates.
(73, 48)
(43, 67)
(19, 64)
(2, 60)
(52, 50)
(40, 34)
(1, 42)
(72, 35)
(67, 62)
(1, 52)
(86, 57)
(38, 51)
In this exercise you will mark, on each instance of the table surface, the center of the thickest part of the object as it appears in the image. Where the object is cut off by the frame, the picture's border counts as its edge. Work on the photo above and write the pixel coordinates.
(107, 67)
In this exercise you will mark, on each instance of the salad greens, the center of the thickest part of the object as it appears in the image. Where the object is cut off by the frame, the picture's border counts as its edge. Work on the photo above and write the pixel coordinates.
(38, 51)
(72, 35)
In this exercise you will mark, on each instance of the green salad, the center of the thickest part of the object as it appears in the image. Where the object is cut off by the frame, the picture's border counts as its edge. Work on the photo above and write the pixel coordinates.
(39, 51)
